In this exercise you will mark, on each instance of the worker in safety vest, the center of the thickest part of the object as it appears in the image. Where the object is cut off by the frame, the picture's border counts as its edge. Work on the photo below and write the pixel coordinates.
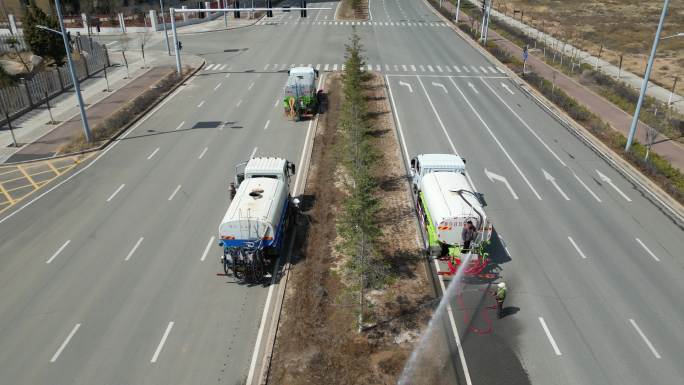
(500, 297)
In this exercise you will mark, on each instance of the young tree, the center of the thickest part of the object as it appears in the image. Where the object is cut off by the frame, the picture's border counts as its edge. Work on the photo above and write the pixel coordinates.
(43, 43)
(14, 43)
(123, 43)
(143, 38)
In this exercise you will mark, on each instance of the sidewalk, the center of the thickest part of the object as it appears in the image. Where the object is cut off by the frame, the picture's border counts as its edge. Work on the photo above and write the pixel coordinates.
(617, 118)
(629, 78)
(218, 24)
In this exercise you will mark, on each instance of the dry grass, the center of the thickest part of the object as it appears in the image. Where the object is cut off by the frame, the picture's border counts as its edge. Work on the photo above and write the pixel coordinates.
(347, 11)
(622, 26)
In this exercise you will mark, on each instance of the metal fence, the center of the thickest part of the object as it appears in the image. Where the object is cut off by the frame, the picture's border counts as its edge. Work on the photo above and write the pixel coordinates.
(5, 46)
(33, 91)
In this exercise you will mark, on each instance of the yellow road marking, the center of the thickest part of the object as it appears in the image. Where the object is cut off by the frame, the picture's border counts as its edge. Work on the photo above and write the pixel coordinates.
(14, 169)
(53, 168)
(27, 176)
(6, 194)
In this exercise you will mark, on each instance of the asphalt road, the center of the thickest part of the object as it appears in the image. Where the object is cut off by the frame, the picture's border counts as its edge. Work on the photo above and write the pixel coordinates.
(595, 279)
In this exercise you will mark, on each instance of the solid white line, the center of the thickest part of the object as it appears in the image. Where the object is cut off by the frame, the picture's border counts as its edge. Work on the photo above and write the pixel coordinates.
(115, 192)
(201, 103)
(201, 155)
(180, 125)
(643, 336)
(577, 248)
(217, 86)
(153, 153)
(496, 140)
(161, 343)
(524, 123)
(550, 337)
(648, 250)
(58, 251)
(130, 253)
(140, 122)
(586, 187)
(173, 194)
(253, 152)
(206, 249)
(266, 125)
(238, 103)
(394, 108)
(64, 344)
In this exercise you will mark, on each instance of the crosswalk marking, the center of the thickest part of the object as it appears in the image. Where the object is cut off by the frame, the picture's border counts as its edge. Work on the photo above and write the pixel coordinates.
(378, 68)
(413, 68)
(422, 68)
(439, 68)
(318, 66)
(475, 69)
(334, 67)
(448, 68)
(387, 67)
(500, 70)
(492, 69)
(484, 71)
(430, 68)
(396, 67)
(466, 69)
(209, 67)
(403, 66)
(326, 67)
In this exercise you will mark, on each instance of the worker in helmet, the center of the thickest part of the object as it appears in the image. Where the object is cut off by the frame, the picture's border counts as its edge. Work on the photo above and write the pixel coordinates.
(500, 297)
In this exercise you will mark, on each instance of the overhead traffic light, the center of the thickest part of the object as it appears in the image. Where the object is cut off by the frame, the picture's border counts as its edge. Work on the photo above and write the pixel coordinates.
(302, 4)
(269, 4)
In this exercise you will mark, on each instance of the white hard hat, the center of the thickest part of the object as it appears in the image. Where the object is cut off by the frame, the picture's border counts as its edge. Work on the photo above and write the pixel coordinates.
(502, 285)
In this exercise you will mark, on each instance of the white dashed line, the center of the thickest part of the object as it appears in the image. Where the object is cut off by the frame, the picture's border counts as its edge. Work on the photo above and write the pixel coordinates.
(65, 343)
(266, 125)
(201, 155)
(201, 104)
(161, 343)
(206, 249)
(115, 192)
(180, 125)
(648, 250)
(153, 153)
(130, 253)
(643, 336)
(577, 248)
(58, 251)
(549, 336)
(173, 194)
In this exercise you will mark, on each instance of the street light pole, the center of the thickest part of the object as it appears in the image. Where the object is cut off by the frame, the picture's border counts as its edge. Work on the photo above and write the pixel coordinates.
(175, 41)
(644, 84)
(166, 35)
(74, 78)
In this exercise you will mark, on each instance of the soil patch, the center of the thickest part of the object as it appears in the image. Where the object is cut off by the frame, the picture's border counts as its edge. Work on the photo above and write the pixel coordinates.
(317, 341)
(351, 11)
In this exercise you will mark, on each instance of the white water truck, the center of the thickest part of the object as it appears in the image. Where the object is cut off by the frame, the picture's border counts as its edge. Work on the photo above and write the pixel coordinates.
(445, 202)
(252, 230)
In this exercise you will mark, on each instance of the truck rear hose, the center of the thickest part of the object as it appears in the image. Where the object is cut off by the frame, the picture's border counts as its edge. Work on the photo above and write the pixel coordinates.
(291, 102)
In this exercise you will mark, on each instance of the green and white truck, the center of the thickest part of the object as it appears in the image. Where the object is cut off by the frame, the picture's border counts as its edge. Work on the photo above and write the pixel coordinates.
(446, 201)
(300, 95)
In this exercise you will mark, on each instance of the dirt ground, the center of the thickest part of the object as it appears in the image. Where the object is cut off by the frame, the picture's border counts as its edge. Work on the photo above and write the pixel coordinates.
(622, 26)
(346, 11)
(317, 340)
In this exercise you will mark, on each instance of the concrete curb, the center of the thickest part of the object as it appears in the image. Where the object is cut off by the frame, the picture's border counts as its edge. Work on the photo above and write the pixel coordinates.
(122, 130)
(618, 163)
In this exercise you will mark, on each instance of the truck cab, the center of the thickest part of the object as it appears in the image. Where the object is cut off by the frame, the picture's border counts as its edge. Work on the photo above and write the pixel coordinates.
(424, 164)
(264, 167)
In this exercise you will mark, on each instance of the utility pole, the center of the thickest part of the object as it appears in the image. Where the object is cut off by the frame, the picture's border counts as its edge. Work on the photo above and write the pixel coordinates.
(647, 74)
(166, 35)
(74, 78)
(176, 43)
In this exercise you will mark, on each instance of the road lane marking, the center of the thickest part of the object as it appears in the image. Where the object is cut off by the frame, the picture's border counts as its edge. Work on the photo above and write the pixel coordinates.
(325, 68)
(206, 249)
(334, 67)
(153, 153)
(577, 248)
(27, 176)
(406, 85)
(492, 176)
(217, 86)
(253, 152)
(430, 68)
(276, 103)
(115, 192)
(201, 104)
(228, 74)
(648, 250)
(201, 155)
(474, 69)
(549, 336)
(643, 336)
(504, 85)
(534, 133)
(441, 86)
(238, 103)
(471, 85)
(161, 343)
(58, 251)
(137, 244)
(551, 179)
(266, 125)
(457, 69)
(65, 343)
(586, 187)
(250, 85)
(604, 178)
(495, 139)
(483, 69)
(173, 194)
(180, 125)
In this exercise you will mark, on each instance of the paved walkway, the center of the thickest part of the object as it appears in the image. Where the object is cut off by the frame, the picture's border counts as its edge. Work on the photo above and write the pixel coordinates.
(617, 118)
